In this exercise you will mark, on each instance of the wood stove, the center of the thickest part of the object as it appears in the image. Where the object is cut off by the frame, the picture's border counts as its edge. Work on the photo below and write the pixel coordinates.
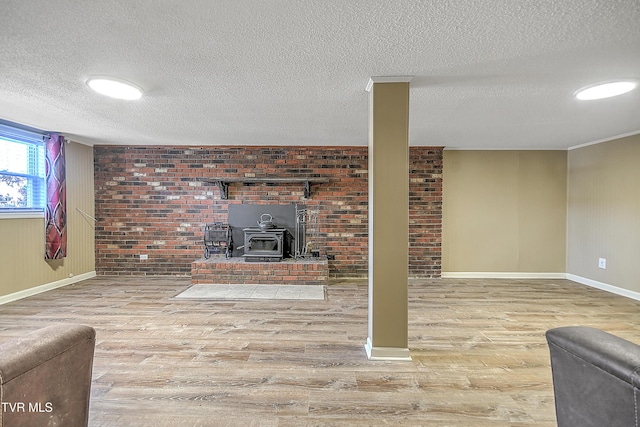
(263, 245)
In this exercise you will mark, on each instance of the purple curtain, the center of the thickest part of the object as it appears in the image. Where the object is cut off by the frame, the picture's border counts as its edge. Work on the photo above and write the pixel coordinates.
(56, 210)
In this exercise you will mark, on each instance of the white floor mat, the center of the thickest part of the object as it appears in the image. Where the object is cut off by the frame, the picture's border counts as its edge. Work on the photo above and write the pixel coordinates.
(234, 292)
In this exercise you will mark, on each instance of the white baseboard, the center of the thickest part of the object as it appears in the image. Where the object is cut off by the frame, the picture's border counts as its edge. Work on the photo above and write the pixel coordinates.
(604, 286)
(46, 287)
(386, 353)
(509, 275)
(500, 275)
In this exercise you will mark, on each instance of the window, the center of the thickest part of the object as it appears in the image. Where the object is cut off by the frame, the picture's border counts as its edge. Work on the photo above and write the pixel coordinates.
(22, 170)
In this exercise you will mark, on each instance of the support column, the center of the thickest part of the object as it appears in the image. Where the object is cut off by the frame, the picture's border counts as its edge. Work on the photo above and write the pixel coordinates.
(388, 218)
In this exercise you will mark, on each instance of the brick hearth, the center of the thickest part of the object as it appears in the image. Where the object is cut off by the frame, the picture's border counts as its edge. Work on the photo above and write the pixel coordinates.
(237, 271)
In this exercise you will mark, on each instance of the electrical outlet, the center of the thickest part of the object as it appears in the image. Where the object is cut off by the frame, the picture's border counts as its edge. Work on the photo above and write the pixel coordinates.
(602, 263)
(143, 257)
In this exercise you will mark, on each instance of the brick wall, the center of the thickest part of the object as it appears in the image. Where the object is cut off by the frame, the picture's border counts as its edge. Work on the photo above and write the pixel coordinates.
(151, 200)
(425, 211)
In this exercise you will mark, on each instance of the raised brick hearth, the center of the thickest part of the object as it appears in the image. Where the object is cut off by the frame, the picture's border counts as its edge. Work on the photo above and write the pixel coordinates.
(221, 270)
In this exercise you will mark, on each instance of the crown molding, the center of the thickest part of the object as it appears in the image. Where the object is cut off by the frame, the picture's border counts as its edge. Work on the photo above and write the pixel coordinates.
(387, 79)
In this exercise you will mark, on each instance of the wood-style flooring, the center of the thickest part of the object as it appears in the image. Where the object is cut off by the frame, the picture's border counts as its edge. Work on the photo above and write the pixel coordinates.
(479, 353)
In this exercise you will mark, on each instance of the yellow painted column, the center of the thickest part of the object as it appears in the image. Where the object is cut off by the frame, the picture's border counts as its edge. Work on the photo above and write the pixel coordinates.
(388, 218)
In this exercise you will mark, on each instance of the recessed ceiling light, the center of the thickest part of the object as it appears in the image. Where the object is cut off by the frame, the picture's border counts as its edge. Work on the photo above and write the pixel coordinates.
(115, 88)
(606, 89)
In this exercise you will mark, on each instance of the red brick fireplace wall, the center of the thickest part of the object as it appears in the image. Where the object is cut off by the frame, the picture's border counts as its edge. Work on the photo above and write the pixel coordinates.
(151, 201)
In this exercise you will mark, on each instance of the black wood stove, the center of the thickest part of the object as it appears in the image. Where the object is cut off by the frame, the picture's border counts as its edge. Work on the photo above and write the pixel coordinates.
(264, 245)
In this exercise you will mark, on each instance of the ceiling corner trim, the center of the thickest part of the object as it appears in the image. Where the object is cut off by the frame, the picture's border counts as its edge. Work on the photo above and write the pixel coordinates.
(387, 79)
(600, 141)
(88, 144)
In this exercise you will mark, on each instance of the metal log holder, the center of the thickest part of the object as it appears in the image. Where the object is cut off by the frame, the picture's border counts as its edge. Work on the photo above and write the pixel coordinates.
(217, 236)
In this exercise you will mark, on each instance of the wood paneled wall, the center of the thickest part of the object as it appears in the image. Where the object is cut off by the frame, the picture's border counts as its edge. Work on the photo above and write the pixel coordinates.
(504, 211)
(22, 240)
(604, 212)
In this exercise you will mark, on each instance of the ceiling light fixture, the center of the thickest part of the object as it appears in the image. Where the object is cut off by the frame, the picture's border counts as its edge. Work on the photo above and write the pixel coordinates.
(115, 88)
(606, 89)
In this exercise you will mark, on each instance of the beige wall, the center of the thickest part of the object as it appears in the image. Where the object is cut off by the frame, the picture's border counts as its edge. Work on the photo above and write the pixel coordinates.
(504, 211)
(604, 212)
(22, 240)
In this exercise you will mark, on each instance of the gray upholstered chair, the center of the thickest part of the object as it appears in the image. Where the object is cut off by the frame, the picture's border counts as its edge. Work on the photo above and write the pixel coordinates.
(45, 377)
(596, 378)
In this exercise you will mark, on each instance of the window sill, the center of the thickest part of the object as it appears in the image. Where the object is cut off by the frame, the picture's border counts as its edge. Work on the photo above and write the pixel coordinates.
(21, 215)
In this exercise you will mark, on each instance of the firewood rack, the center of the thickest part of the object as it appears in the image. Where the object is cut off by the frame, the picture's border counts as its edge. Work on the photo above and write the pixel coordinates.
(217, 236)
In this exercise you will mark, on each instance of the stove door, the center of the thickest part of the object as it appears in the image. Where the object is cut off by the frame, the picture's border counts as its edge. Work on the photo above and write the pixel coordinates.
(263, 244)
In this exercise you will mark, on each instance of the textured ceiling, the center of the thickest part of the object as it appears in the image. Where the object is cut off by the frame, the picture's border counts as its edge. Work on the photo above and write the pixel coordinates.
(488, 74)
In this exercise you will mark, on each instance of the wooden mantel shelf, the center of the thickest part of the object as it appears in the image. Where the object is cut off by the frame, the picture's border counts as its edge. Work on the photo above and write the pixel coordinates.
(223, 183)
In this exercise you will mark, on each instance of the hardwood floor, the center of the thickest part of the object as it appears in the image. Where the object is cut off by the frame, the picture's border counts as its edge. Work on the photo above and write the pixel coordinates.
(479, 353)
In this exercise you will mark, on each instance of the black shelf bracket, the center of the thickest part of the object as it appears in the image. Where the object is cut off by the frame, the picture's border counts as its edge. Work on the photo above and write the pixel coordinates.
(224, 189)
(307, 189)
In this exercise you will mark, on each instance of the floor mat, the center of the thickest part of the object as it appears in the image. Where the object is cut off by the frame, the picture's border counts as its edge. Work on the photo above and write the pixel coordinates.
(273, 292)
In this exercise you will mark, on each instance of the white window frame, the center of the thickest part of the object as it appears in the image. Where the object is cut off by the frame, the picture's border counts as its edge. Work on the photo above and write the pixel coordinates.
(33, 138)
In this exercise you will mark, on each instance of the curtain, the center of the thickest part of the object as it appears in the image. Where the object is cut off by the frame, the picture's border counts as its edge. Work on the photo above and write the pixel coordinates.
(56, 209)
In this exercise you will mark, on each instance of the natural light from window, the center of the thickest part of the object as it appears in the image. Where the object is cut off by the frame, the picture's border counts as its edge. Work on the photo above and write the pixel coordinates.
(21, 175)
